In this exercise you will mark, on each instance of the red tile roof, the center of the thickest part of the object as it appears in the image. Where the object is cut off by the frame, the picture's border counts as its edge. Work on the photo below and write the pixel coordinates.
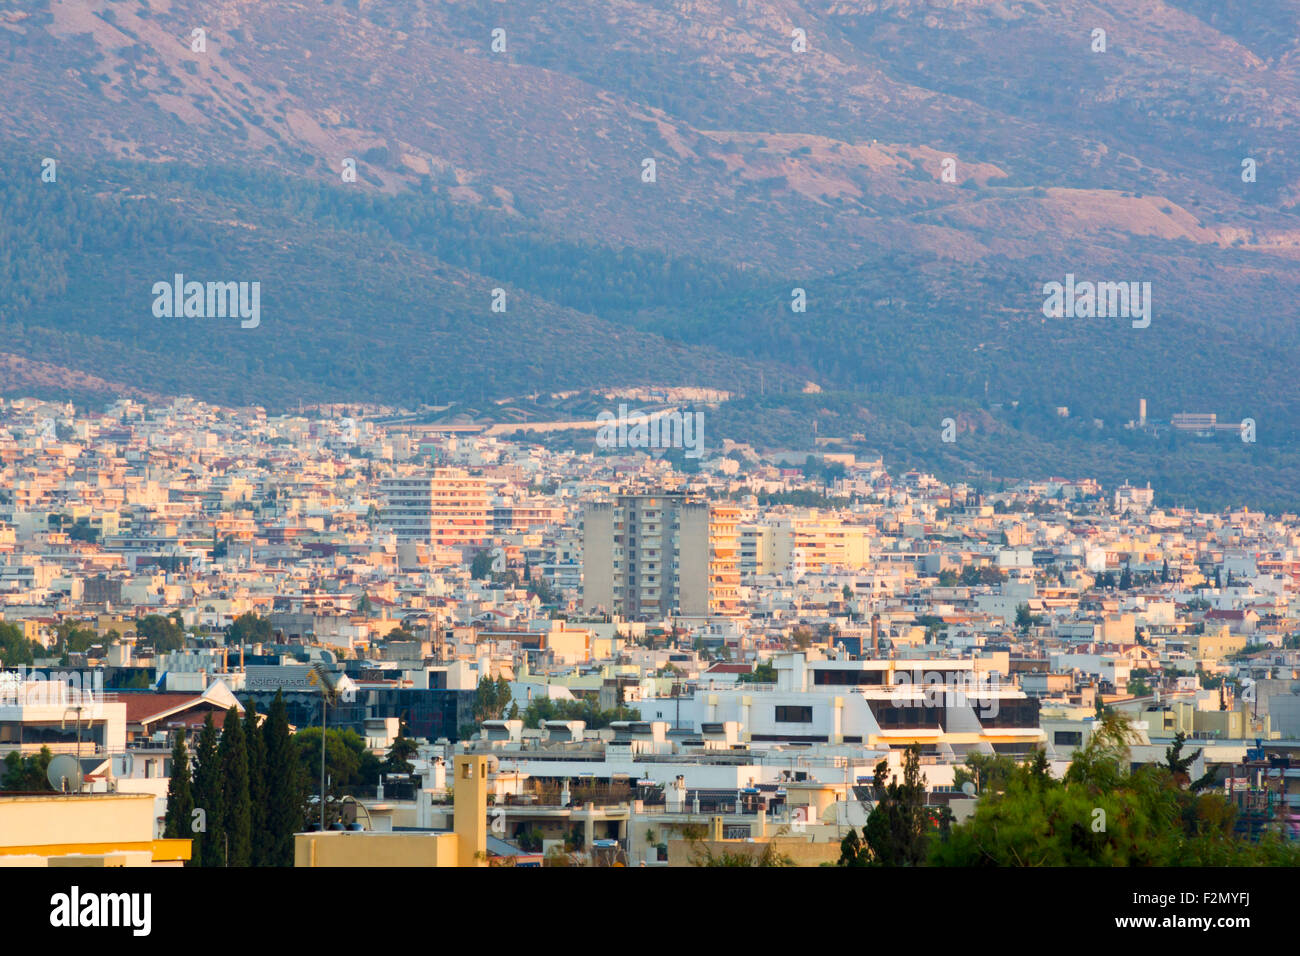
(140, 707)
(188, 710)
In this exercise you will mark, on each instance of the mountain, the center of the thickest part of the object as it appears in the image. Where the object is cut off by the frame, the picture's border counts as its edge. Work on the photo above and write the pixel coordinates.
(921, 169)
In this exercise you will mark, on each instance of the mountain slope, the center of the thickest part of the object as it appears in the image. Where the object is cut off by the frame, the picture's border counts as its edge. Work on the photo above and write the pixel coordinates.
(920, 171)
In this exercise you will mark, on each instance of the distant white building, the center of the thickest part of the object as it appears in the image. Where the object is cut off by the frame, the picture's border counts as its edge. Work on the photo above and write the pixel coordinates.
(1128, 498)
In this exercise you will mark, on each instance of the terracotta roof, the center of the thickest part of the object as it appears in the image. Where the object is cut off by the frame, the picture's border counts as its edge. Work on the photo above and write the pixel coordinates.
(140, 707)
(174, 709)
(1226, 615)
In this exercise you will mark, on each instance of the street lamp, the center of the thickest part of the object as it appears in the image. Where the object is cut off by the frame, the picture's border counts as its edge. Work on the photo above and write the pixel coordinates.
(329, 692)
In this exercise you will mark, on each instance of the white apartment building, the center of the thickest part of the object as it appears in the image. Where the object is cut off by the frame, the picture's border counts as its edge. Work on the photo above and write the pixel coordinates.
(63, 709)
(448, 508)
(949, 707)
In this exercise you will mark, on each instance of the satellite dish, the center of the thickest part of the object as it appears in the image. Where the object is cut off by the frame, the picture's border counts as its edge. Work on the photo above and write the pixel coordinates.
(64, 774)
(968, 788)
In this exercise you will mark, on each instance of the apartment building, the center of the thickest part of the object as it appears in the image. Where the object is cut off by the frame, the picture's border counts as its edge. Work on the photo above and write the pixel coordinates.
(797, 544)
(448, 508)
(947, 706)
(724, 560)
(1128, 498)
(659, 554)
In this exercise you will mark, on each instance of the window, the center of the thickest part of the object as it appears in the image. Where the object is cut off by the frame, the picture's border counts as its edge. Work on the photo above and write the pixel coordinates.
(907, 716)
(1068, 738)
(823, 676)
(1006, 713)
(794, 715)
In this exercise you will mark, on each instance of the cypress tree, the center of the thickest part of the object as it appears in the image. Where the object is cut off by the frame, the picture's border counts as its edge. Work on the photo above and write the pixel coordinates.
(180, 795)
(236, 809)
(503, 695)
(256, 784)
(284, 786)
(209, 847)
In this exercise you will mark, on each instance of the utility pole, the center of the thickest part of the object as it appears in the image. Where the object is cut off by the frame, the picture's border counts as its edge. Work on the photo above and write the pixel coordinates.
(322, 759)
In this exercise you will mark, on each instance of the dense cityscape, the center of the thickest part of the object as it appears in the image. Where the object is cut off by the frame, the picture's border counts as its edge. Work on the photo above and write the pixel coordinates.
(535, 655)
(648, 435)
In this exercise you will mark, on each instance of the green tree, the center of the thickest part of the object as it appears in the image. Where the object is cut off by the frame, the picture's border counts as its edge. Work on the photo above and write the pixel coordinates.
(237, 814)
(1179, 767)
(164, 633)
(139, 680)
(503, 695)
(990, 773)
(209, 846)
(764, 672)
(898, 830)
(768, 856)
(249, 628)
(398, 758)
(488, 702)
(257, 785)
(180, 794)
(541, 587)
(481, 567)
(348, 761)
(543, 708)
(27, 773)
(1101, 814)
(285, 786)
(15, 649)
(70, 638)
